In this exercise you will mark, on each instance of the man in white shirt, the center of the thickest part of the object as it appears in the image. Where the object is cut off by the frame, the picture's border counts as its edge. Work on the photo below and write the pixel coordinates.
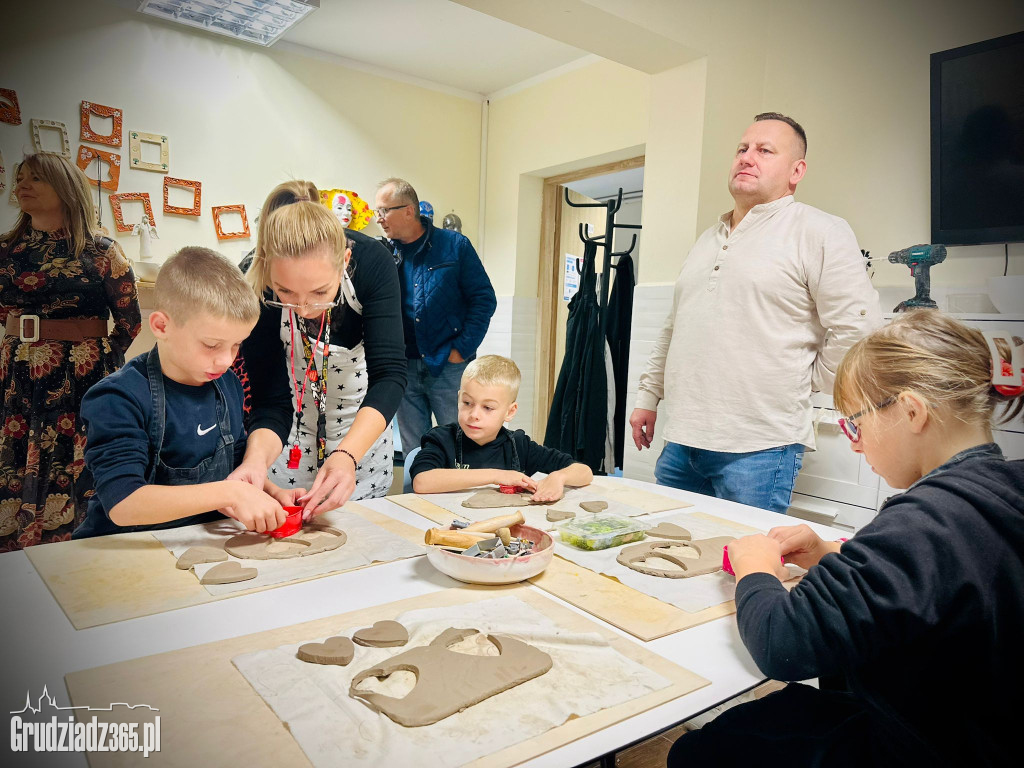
(766, 305)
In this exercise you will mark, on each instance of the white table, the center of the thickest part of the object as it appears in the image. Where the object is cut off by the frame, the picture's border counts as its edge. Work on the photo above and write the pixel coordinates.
(38, 645)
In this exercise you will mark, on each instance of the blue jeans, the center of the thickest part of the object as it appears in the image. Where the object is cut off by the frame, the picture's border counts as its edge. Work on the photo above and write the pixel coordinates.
(425, 394)
(760, 478)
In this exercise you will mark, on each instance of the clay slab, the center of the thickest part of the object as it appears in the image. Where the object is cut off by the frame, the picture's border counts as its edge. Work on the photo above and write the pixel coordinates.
(228, 573)
(556, 515)
(448, 682)
(311, 540)
(593, 506)
(709, 558)
(196, 555)
(333, 650)
(669, 531)
(383, 634)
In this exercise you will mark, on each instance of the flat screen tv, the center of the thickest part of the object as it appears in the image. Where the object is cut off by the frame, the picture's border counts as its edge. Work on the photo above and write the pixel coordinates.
(977, 121)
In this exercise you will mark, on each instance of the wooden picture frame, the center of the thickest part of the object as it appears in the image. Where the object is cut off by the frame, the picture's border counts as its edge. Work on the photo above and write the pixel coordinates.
(219, 210)
(39, 125)
(86, 155)
(115, 206)
(10, 112)
(197, 194)
(135, 141)
(112, 139)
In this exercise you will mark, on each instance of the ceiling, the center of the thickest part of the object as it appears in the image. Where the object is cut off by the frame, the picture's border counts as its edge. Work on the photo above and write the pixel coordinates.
(630, 180)
(435, 40)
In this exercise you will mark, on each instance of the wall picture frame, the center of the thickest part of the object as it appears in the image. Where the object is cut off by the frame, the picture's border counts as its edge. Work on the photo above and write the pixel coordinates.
(10, 111)
(38, 126)
(197, 194)
(112, 139)
(135, 141)
(117, 200)
(88, 155)
(220, 210)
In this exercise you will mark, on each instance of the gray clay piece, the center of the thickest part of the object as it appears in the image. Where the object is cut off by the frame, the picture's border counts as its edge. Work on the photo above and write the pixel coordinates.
(669, 531)
(197, 555)
(333, 650)
(593, 506)
(448, 682)
(490, 498)
(556, 515)
(383, 634)
(313, 539)
(708, 561)
(228, 573)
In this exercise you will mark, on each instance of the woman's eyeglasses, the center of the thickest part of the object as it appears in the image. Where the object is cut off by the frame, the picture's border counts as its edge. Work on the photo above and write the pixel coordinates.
(849, 426)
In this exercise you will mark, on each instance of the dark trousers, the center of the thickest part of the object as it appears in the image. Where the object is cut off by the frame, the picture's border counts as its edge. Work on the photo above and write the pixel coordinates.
(799, 726)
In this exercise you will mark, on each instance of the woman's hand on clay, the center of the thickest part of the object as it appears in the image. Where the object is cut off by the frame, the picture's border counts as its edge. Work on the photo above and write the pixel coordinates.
(287, 497)
(756, 554)
(799, 544)
(509, 477)
(334, 485)
(251, 472)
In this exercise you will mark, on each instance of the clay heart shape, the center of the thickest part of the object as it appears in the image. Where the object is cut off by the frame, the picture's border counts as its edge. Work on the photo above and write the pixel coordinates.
(383, 634)
(555, 515)
(593, 506)
(196, 555)
(333, 650)
(669, 531)
(228, 573)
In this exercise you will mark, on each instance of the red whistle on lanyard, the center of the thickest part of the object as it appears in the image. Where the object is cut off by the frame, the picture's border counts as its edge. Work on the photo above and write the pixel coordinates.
(294, 457)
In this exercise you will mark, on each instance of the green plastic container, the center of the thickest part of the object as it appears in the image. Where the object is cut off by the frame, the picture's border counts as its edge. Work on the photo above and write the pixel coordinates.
(601, 531)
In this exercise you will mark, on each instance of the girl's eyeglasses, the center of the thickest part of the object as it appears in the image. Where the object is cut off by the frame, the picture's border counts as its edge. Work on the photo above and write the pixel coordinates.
(850, 428)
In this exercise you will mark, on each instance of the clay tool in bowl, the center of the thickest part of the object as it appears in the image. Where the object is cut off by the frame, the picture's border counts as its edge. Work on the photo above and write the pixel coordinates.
(291, 526)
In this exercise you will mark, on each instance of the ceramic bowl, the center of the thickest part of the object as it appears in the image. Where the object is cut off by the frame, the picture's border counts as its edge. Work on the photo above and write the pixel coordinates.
(146, 270)
(480, 570)
(1007, 293)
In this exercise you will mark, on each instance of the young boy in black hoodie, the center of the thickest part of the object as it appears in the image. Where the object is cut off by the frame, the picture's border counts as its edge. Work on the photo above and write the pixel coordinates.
(479, 450)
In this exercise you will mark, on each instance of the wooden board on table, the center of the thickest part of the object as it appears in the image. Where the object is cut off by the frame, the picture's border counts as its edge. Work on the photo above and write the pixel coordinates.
(632, 611)
(112, 578)
(211, 716)
(424, 508)
(626, 494)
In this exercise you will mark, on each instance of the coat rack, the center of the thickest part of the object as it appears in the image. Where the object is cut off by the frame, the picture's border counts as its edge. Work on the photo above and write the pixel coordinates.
(606, 242)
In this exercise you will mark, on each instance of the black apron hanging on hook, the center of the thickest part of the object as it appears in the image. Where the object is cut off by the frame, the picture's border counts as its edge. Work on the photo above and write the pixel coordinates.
(618, 319)
(579, 410)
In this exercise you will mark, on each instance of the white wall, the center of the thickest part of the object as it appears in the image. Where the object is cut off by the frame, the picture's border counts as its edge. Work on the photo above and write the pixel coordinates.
(240, 118)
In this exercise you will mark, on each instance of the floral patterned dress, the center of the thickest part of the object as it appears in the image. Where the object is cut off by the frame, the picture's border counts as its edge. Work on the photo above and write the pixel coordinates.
(44, 484)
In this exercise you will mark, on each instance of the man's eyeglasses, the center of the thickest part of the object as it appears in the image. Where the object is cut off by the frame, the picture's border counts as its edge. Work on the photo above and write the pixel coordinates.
(382, 213)
(850, 428)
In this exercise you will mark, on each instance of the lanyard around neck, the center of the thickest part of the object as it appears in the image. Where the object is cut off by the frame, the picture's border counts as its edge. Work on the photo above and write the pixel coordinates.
(317, 384)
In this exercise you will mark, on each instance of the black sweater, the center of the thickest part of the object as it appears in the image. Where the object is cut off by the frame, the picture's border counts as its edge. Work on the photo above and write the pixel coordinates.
(922, 612)
(375, 280)
(438, 452)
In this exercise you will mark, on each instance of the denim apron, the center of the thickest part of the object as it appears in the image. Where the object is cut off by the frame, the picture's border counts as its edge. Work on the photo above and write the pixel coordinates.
(210, 470)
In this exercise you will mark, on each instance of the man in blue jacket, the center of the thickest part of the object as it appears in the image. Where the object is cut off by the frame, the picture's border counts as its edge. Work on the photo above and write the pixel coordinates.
(447, 303)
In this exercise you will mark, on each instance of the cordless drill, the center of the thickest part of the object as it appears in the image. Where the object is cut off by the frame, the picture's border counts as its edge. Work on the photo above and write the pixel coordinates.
(920, 259)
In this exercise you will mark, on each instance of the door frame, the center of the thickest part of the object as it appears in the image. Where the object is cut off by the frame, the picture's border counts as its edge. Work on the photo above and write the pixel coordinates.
(549, 275)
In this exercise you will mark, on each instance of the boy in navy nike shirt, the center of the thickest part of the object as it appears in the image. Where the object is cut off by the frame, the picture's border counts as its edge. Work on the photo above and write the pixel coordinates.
(164, 431)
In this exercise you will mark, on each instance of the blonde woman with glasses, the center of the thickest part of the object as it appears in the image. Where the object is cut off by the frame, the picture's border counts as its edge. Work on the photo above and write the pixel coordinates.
(325, 365)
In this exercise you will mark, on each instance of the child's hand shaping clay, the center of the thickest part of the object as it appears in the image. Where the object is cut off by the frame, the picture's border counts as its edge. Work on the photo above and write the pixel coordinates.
(551, 488)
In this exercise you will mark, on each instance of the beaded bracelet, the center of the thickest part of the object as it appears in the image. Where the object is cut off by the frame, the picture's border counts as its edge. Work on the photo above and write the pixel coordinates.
(355, 464)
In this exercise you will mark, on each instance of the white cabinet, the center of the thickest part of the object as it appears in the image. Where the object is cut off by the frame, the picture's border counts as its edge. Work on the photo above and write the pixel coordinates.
(837, 486)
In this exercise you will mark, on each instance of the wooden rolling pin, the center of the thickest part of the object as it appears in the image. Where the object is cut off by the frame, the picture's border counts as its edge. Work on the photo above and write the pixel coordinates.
(448, 538)
(494, 523)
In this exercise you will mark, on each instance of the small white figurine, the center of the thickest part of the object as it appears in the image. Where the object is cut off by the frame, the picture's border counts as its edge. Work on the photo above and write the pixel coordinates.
(145, 232)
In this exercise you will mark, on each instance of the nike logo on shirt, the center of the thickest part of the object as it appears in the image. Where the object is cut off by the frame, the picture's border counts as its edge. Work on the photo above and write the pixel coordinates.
(200, 431)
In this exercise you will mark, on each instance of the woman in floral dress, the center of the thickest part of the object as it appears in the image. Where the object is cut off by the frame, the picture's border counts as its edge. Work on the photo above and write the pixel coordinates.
(60, 280)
